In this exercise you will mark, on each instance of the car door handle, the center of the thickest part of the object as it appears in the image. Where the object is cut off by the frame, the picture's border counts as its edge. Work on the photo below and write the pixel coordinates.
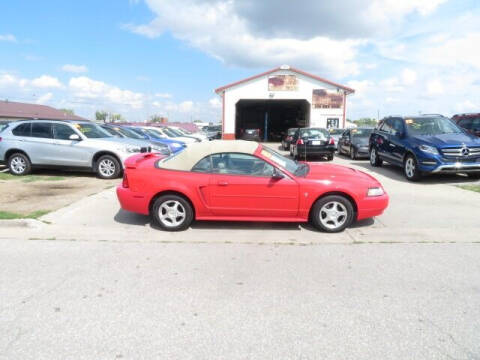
(222, 183)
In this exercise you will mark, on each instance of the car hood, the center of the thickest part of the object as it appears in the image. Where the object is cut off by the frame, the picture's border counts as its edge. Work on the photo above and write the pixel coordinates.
(124, 141)
(445, 140)
(332, 171)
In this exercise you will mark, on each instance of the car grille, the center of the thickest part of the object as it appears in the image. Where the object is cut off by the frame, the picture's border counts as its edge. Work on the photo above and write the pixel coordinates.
(460, 152)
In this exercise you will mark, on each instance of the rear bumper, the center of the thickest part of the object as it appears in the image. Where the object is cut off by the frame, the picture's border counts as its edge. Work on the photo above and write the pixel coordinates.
(133, 201)
(315, 150)
(372, 206)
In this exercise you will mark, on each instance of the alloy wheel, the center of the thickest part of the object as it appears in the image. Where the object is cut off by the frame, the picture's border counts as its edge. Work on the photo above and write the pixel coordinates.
(333, 215)
(171, 213)
(410, 168)
(107, 168)
(18, 165)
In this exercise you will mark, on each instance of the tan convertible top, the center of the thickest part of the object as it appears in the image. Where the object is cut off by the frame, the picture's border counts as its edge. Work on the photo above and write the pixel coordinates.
(195, 152)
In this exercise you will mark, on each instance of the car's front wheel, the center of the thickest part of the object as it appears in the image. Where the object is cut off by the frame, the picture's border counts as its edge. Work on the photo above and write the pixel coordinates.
(332, 213)
(19, 164)
(374, 159)
(108, 167)
(410, 169)
(172, 212)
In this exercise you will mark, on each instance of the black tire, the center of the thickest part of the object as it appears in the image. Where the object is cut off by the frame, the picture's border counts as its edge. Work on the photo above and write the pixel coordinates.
(475, 175)
(108, 167)
(183, 208)
(353, 153)
(319, 212)
(410, 169)
(375, 160)
(329, 157)
(19, 164)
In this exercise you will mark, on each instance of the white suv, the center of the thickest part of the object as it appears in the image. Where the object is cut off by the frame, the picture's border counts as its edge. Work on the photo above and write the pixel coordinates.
(65, 144)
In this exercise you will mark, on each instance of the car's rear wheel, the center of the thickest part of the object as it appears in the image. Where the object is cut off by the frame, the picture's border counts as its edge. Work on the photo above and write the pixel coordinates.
(333, 213)
(172, 212)
(330, 157)
(108, 167)
(374, 159)
(410, 169)
(353, 153)
(19, 164)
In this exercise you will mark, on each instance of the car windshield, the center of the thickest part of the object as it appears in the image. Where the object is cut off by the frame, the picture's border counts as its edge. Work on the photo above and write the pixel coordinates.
(314, 133)
(183, 131)
(111, 131)
(3, 127)
(361, 133)
(336, 131)
(92, 131)
(431, 126)
(129, 133)
(171, 133)
(298, 169)
(154, 133)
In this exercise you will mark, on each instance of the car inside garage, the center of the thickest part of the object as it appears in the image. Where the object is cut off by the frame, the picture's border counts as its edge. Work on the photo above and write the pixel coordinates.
(272, 117)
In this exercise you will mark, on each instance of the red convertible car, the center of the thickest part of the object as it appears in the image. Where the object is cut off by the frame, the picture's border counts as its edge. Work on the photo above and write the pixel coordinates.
(246, 181)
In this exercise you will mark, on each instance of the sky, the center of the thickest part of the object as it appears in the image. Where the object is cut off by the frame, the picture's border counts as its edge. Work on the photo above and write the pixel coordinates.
(161, 57)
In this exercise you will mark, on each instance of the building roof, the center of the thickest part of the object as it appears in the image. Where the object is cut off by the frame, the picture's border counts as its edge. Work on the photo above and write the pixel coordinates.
(288, 68)
(195, 152)
(17, 110)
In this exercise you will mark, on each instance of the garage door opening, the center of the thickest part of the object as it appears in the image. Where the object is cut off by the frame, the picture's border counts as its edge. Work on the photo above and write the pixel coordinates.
(272, 117)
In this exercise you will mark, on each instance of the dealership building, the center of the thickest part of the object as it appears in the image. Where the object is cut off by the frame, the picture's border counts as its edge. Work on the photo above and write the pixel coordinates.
(279, 99)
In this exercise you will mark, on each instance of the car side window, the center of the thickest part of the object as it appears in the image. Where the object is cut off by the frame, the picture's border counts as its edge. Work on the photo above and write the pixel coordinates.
(387, 126)
(63, 132)
(466, 124)
(23, 130)
(42, 130)
(204, 165)
(240, 164)
(397, 126)
(476, 124)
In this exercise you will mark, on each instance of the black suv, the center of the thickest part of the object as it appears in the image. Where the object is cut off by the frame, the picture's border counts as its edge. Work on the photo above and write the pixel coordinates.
(468, 122)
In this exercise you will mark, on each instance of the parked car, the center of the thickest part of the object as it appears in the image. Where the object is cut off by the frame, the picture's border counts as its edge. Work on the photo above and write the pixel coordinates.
(468, 122)
(239, 180)
(213, 131)
(336, 133)
(354, 142)
(124, 132)
(425, 145)
(312, 142)
(251, 134)
(174, 145)
(82, 145)
(287, 139)
(166, 133)
(183, 132)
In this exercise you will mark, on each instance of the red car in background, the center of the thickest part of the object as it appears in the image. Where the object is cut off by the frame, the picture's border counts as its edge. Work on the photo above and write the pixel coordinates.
(468, 122)
(246, 181)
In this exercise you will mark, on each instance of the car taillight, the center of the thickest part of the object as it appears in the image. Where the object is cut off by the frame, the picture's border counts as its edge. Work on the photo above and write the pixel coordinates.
(332, 141)
(379, 140)
(299, 142)
(125, 180)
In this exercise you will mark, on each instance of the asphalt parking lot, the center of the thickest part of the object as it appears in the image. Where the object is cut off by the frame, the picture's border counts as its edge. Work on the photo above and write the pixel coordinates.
(91, 281)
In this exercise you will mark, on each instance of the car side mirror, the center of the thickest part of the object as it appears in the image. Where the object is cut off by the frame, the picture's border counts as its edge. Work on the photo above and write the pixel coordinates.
(277, 174)
(74, 137)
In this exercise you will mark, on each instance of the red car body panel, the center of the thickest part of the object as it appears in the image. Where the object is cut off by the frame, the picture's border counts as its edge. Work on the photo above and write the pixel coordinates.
(247, 198)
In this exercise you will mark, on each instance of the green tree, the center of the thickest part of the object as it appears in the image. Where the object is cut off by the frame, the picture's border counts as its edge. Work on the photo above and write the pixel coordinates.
(101, 115)
(156, 118)
(68, 111)
(115, 117)
(365, 122)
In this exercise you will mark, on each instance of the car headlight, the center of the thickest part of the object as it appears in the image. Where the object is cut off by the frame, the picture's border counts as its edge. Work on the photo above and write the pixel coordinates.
(428, 149)
(175, 145)
(376, 191)
(131, 149)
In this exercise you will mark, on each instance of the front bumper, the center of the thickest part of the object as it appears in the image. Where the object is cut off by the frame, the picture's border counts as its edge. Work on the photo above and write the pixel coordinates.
(458, 168)
(438, 164)
(372, 206)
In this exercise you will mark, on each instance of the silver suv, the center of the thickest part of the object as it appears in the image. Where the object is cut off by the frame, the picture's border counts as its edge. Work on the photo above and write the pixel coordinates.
(65, 144)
